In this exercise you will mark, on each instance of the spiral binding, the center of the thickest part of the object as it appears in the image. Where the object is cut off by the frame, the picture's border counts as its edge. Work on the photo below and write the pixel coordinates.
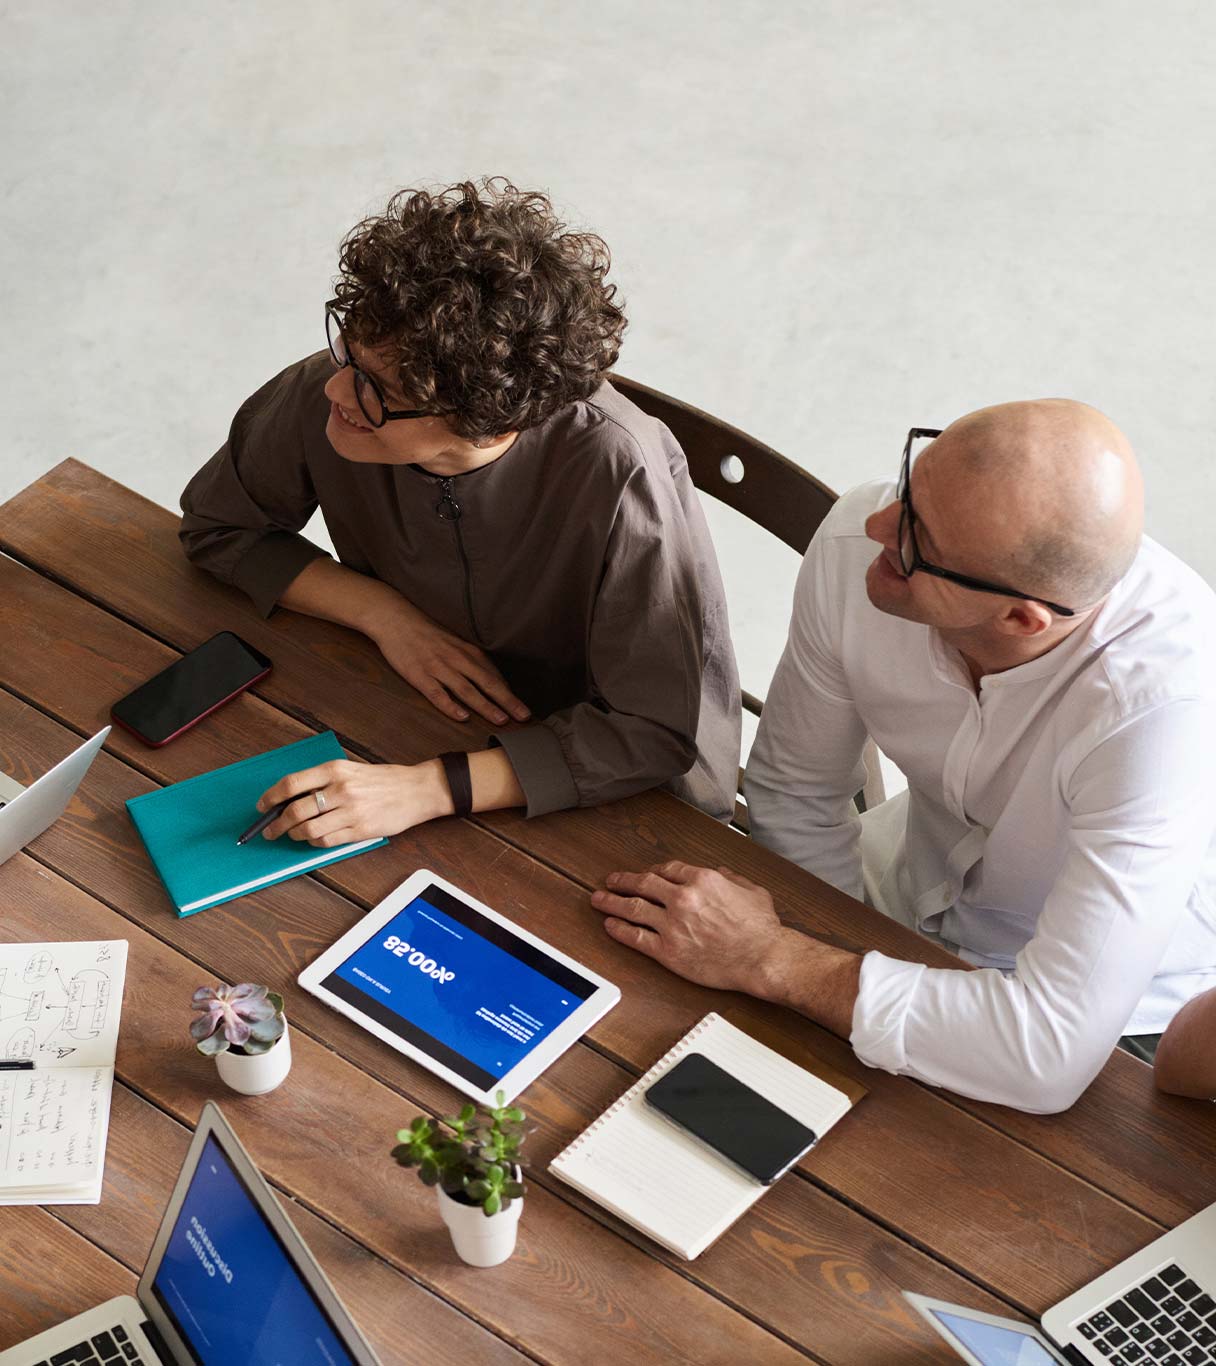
(677, 1049)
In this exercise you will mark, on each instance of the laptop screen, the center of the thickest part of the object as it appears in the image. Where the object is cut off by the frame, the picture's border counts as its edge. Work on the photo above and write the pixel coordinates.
(996, 1345)
(230, 1287)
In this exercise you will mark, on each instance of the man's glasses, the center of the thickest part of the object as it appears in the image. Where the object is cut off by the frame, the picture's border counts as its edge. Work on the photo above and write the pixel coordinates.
(910, 558)
(367, 391)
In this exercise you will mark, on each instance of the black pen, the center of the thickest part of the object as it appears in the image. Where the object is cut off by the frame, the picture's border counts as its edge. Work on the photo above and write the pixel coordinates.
(16, 1064)
(272, 815)
(263, 821)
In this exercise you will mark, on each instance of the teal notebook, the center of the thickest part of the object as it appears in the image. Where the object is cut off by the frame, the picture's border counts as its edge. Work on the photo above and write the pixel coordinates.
(190, 829)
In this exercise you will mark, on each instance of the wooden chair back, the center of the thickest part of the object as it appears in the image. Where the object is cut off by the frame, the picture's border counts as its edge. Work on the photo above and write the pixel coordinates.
(757, 481)
(738, 470)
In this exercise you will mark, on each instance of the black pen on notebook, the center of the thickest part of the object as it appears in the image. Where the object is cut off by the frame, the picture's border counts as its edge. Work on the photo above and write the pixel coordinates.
(16, 1064)
(272, 815)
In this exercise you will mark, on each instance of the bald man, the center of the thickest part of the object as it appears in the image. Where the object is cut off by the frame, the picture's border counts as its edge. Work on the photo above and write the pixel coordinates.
(1046, 678)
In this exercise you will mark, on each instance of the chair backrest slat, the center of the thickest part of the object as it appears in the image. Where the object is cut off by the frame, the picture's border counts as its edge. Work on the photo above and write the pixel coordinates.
(773, 492)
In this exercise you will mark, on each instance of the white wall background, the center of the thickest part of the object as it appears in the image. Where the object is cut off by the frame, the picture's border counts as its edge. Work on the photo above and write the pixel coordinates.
(831, 220)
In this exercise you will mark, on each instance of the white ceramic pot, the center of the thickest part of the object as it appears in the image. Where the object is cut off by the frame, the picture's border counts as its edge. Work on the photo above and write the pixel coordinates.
(478, 1240)
(253, 1074)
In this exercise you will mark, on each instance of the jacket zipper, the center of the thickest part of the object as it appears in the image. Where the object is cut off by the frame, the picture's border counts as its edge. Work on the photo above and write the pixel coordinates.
(449, 511)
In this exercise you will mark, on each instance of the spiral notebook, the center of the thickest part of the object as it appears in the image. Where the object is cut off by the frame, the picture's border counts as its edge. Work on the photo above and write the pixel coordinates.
(667, 1184)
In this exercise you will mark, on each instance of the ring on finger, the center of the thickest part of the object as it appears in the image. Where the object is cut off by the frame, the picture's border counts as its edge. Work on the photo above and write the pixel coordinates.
(319, 798)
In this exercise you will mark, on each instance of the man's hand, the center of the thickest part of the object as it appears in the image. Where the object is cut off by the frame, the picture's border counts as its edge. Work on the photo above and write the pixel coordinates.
(446, 670)
(357, 801)
(714, 928)
(720, 930)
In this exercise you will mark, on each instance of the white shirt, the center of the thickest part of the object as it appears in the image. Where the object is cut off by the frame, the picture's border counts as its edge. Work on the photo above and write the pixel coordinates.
(1059, 826)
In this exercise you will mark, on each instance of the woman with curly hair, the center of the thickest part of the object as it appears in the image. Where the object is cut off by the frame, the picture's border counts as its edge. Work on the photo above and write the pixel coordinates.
(517, 538)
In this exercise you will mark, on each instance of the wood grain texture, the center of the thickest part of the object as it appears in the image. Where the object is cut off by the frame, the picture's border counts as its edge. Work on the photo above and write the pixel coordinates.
(814, 1269)
(918, 1164)
(48, 1273)
(1154, 1152)
(572, 1292)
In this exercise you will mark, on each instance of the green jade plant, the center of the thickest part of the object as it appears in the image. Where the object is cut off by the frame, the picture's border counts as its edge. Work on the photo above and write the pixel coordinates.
(474, 1161)
(245, 1018)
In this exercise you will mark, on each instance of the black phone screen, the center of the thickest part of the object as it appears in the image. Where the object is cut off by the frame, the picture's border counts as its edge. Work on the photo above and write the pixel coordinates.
(738, 1122)
(187, 690)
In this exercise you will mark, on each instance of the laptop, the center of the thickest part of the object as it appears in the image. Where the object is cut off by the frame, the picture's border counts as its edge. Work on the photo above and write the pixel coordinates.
(25, 812)
(228, 1281)
(1157, 1308)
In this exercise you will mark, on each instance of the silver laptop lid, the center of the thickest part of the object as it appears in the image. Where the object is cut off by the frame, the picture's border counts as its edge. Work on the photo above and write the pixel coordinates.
(27, 814)
(229, 1279)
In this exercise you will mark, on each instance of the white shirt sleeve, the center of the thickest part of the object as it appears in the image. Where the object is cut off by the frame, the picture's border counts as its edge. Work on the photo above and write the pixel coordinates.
(806, 764)
(1036, 1037)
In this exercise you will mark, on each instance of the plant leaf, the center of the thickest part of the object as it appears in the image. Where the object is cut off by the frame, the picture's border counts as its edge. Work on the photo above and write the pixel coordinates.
(493, 1204)
(211, 1045)
(269, 1029)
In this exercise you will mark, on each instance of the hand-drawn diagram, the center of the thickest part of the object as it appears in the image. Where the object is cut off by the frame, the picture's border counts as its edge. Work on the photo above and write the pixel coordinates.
(46, 1014)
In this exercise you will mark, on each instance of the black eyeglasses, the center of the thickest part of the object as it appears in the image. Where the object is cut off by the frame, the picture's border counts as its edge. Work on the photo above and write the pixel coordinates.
(367, 391)
(910, 558)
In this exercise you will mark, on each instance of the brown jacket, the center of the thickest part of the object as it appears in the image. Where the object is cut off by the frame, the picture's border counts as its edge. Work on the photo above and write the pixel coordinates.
(580, 562)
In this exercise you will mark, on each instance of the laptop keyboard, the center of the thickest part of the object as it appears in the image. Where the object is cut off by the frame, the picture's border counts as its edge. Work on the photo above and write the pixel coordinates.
(114, 1348)
(1166, 1320)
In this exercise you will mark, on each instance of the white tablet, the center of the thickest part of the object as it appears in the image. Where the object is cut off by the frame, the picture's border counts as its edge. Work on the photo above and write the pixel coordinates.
(987, 1339)
(459, 988)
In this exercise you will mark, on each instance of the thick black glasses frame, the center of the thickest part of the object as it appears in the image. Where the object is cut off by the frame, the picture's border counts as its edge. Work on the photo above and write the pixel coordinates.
(907, 522)
(386, 413)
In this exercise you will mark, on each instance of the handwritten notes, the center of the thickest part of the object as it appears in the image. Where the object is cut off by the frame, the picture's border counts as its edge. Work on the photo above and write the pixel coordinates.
(59, 1009)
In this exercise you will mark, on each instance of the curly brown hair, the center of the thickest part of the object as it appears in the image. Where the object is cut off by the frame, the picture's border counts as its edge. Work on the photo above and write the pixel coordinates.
(491, 312)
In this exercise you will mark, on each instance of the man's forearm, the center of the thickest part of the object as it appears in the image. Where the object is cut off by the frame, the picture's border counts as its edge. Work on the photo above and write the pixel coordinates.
(814, 978)
(1186, 1057)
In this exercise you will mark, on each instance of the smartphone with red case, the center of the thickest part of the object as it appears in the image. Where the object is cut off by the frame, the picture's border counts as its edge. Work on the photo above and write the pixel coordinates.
(181, 695)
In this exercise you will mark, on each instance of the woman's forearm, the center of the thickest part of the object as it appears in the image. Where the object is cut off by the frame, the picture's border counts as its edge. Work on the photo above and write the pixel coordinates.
(334, 592)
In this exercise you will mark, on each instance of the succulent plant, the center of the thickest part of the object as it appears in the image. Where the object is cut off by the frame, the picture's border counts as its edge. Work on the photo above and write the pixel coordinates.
(475, 1161)
(245, 1018)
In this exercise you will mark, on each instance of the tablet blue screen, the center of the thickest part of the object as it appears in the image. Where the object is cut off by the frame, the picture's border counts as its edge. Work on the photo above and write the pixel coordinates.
(997, 1345)
(471, 994)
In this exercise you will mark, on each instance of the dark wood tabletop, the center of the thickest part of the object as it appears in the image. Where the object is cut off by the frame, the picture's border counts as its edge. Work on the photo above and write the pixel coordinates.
(914, 1190)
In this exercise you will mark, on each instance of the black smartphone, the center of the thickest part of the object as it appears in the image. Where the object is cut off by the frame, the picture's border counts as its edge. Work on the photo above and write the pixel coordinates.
(737, 1122)
(181, 695)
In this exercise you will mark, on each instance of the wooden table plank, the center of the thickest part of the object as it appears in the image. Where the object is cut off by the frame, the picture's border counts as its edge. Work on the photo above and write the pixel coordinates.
(48, 1273)
(1156, 1153)
(893, 1157)
(572, 1292)
(812, 1268)
(144, 1154)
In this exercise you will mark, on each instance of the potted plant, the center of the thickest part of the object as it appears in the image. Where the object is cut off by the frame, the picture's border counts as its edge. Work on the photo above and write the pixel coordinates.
(244, 1030)
(471, 1160)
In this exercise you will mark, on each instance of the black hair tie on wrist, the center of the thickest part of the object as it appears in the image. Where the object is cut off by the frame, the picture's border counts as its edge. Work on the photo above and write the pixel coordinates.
(460, 780)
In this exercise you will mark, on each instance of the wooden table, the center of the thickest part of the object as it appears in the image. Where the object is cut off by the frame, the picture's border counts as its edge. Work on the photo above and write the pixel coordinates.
(916, 1189)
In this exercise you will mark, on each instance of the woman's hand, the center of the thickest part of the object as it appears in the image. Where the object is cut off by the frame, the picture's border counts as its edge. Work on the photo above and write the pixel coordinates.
(455, 675)
(343, 801)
